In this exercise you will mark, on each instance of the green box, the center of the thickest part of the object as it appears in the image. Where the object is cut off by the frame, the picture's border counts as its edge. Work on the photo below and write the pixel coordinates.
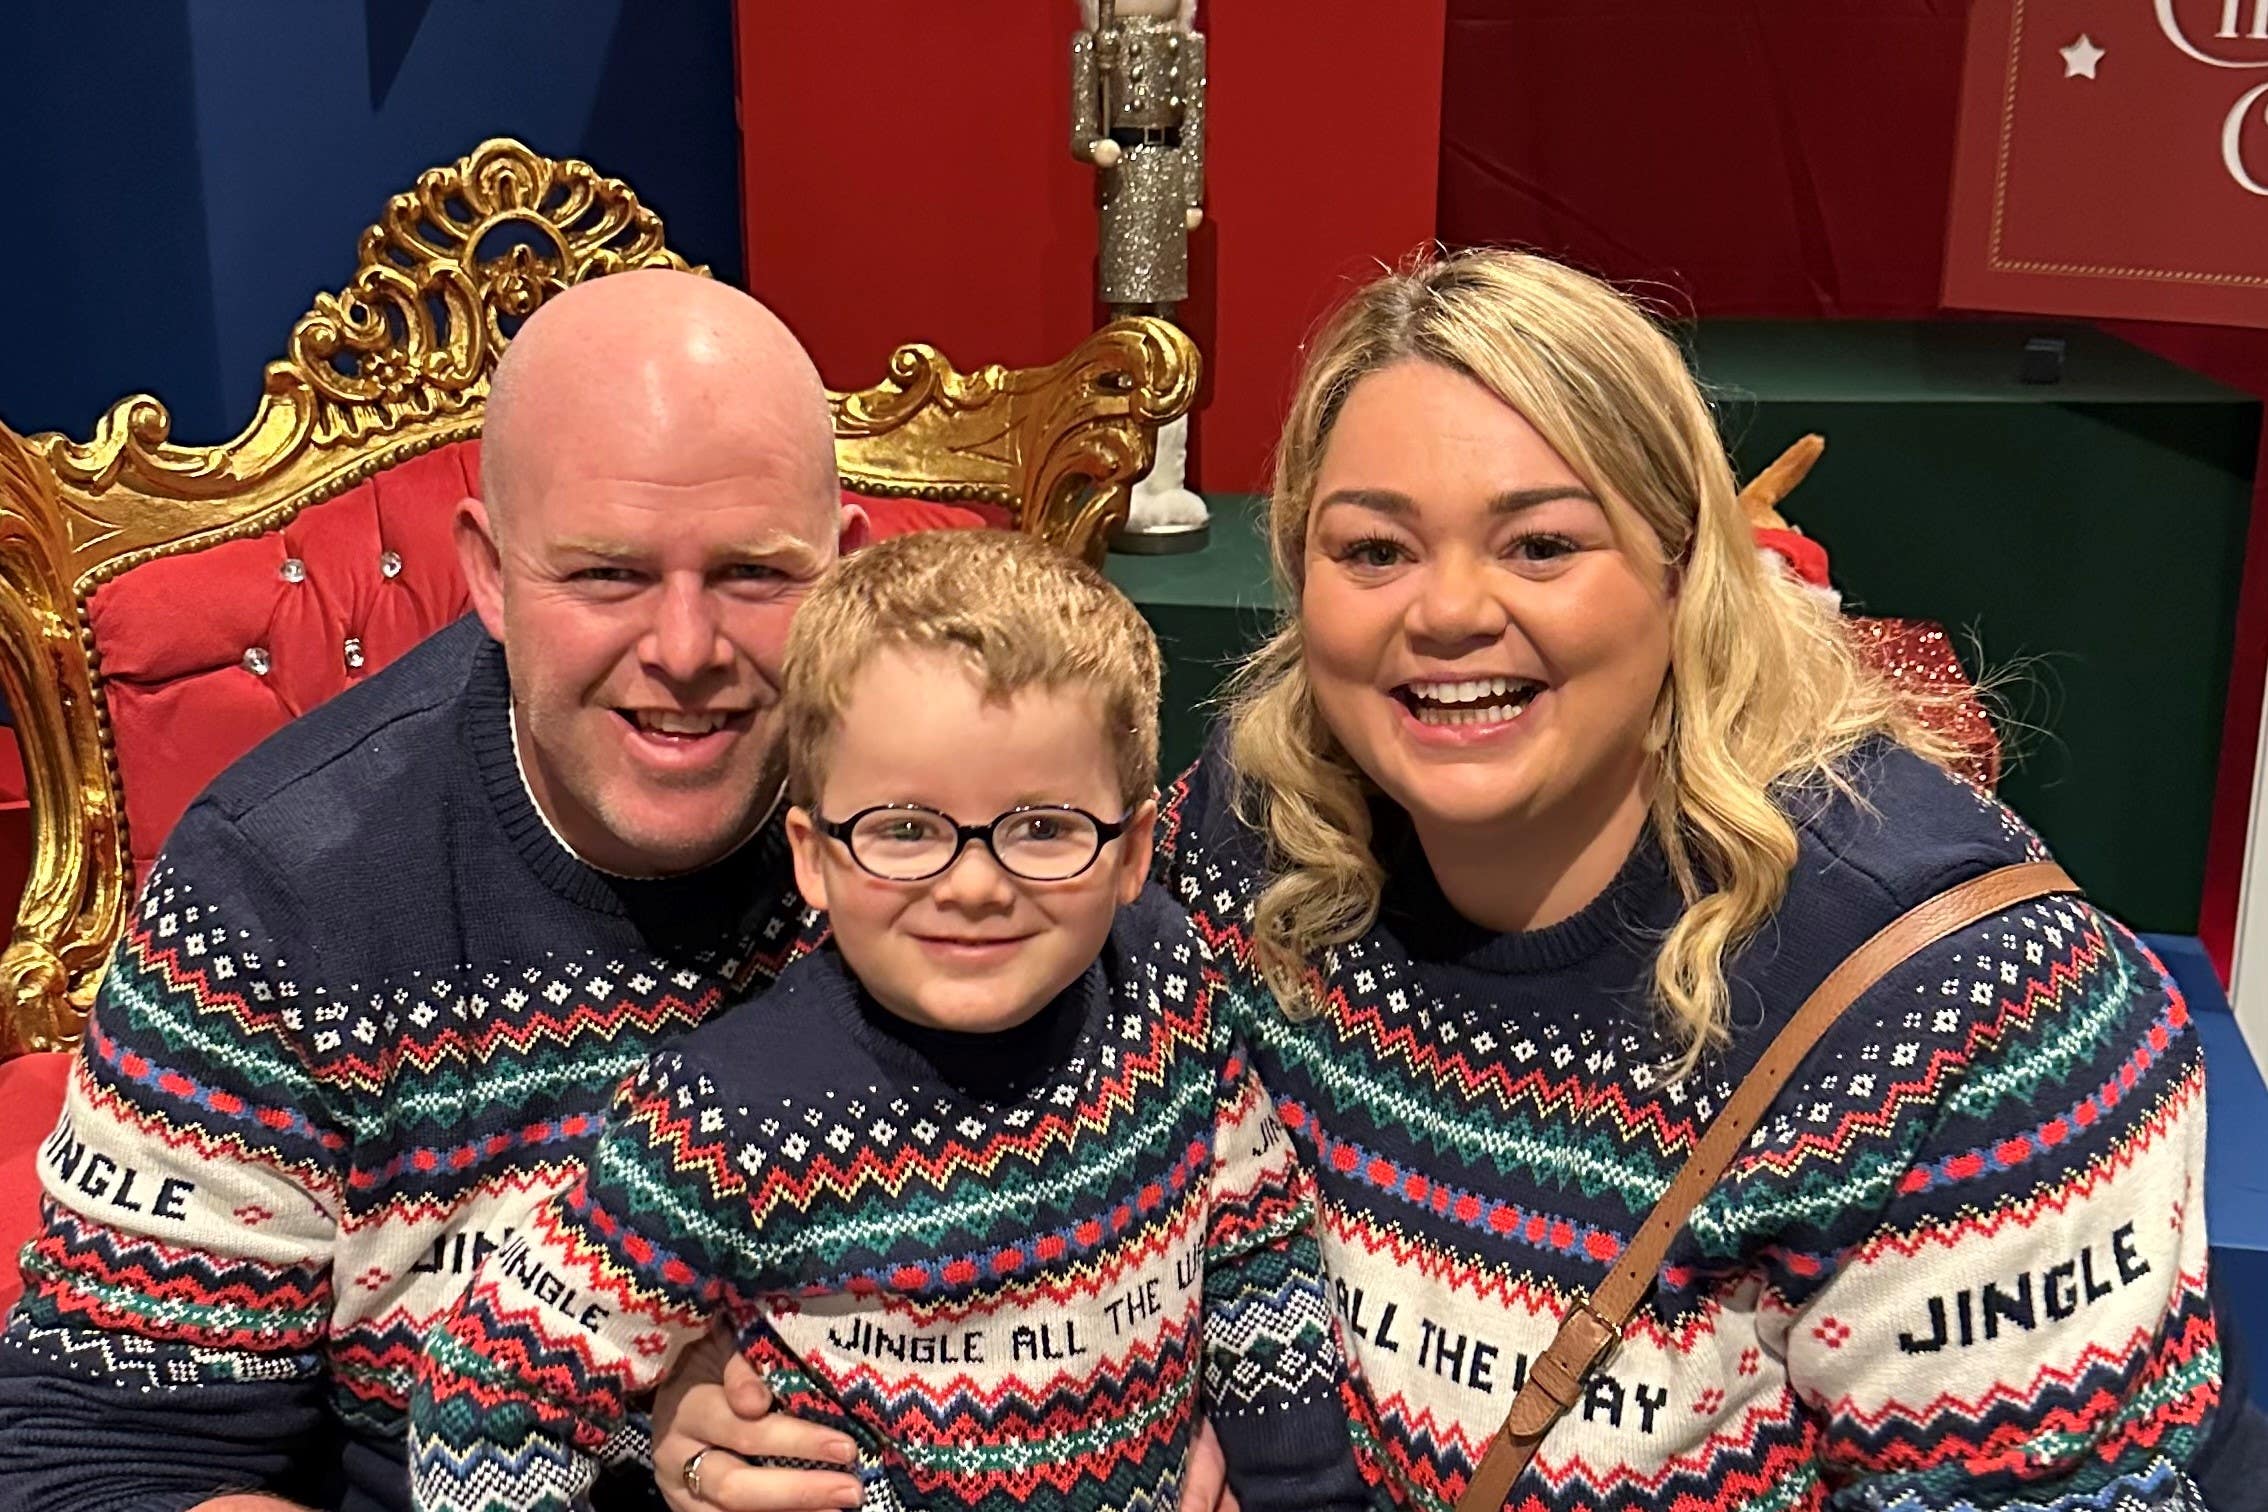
(1209, 609)
(2086, 536)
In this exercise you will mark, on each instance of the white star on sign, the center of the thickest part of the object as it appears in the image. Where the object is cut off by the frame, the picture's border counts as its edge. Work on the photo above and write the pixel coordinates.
(2080, 58)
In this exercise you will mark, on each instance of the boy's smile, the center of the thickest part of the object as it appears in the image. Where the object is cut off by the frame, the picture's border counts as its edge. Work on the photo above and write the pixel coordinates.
(975, 948)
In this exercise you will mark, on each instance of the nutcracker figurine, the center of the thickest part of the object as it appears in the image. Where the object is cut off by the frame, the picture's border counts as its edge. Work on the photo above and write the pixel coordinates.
(1138, 115)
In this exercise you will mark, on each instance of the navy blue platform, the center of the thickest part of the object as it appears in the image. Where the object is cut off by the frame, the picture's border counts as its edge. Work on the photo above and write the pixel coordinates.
(2236, 1149)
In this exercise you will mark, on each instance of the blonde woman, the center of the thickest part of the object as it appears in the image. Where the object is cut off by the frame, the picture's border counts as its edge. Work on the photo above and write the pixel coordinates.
(1533, 823)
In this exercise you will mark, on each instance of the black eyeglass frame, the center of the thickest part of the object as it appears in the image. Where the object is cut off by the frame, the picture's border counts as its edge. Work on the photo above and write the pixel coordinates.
(1106, 830)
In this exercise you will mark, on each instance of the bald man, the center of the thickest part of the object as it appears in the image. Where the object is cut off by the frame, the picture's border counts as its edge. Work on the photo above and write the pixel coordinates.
(393, 961)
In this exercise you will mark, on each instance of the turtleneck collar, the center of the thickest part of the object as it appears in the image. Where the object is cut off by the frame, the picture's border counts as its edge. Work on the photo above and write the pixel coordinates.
(1001, 1066)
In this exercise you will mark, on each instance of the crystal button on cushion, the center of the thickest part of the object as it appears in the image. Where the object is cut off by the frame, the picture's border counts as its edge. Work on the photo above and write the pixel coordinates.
(293, 570)
(256, 661)
(391, 564)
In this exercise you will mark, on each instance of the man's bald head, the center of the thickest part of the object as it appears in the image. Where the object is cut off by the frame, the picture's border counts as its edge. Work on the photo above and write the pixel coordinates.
(658, 492)
(648, 361)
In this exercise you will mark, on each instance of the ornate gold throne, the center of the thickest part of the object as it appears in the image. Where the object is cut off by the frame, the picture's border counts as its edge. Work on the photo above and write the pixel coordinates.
(357, 449)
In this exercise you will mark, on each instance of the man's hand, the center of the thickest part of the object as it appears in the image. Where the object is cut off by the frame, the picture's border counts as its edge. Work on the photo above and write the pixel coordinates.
(716, 1401)
(1205, 1487)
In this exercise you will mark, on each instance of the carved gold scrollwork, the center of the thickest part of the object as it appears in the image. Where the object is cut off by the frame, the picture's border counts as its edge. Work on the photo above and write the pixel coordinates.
(75, 895)
(1132, 377)
(1062, 445)
(378, 354)
(419, 330)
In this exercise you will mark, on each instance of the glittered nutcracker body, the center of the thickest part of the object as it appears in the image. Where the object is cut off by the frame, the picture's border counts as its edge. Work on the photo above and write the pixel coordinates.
(1138, 85)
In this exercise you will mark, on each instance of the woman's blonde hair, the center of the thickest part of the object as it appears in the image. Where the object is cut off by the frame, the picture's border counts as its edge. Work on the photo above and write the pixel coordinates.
(1764, 692)
(1022, 612)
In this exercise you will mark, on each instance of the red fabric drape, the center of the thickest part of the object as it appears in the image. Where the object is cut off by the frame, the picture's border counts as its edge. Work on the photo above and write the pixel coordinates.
(1754, 157)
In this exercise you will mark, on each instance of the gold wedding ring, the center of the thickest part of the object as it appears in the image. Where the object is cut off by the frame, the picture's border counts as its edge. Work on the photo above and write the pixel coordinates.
(691, 1474)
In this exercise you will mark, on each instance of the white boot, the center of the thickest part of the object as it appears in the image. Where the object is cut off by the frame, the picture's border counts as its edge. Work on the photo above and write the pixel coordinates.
(1162, 505)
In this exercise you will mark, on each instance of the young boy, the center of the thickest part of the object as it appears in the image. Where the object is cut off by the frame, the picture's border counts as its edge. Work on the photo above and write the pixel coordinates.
(982, 1183)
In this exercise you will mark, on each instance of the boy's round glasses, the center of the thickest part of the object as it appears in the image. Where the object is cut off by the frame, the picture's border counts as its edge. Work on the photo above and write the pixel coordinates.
(906, 842)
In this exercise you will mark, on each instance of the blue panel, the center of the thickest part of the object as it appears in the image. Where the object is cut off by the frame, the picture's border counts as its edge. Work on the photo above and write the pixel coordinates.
(388, 30)
(2236, 1110)
(2236, 1139)
(2192, 970)
(298, 158)
(665, 119)
(2243, 1277)
(214, 163)
(104, 282)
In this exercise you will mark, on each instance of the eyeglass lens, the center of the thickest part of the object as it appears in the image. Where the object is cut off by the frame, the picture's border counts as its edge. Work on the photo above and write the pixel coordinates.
(1039, 845)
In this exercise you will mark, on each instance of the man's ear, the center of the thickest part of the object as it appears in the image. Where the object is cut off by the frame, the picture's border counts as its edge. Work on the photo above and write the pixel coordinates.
(856, 531)
(805, 843)
(481, 563)
(1137, 846)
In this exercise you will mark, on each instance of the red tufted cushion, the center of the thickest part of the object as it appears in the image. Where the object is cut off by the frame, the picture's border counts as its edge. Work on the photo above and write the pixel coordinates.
(895, 517)
(173, 634)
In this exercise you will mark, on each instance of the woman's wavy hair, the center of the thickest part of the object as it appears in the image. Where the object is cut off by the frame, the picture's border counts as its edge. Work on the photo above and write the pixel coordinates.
(1764, 693)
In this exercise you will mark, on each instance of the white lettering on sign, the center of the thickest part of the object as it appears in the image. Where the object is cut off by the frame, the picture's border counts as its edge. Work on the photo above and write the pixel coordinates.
(2229, 11)
(2170, 24)
(2232, 140)
(2241, 20)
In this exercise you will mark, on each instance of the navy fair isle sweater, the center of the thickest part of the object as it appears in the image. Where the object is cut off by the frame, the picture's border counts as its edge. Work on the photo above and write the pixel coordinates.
(1961, 1264)
(367, 1011)
(1017, 1299)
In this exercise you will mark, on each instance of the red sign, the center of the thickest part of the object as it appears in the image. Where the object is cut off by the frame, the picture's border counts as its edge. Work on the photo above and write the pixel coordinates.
(2113, 160)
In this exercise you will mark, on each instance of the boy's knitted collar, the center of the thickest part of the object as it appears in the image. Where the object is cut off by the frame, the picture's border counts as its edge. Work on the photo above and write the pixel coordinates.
(1056, 1046)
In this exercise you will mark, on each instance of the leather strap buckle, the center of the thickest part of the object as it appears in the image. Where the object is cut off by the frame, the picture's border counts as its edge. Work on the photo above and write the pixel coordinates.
(1585, 1341)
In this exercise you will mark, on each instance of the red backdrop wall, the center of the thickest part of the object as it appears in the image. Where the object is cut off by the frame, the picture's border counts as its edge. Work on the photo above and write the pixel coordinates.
(1760, 157)
(1788, 158)
(1327, 119)
(907, 176)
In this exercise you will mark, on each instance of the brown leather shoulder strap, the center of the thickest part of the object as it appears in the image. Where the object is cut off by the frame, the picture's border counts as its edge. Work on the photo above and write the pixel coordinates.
(1591, 1328)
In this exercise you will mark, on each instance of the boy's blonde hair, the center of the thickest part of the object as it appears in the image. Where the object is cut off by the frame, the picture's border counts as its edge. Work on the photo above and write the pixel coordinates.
(1764, 695)
(1024, 613)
